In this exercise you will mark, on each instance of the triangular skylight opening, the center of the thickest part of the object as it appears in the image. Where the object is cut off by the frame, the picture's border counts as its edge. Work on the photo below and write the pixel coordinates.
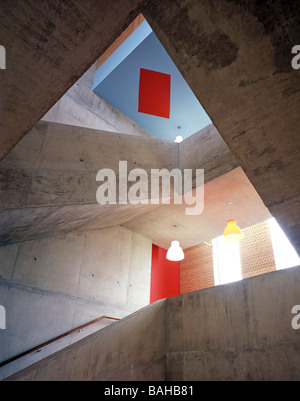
(137, 76)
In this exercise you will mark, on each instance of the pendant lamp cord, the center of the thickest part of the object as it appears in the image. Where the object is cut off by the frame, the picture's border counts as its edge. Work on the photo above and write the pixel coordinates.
(179, 275)
(178, 163)
(229, 209)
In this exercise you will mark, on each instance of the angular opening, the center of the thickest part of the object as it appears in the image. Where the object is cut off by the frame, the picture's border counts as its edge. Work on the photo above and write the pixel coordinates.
(138, 77)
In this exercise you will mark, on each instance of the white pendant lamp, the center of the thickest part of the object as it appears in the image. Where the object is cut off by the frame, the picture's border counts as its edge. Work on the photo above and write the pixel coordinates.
(178, 139)
(175, 252)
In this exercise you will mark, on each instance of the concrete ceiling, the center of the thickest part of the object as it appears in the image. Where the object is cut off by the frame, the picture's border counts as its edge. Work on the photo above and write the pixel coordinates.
(233, 186)
(235, 55)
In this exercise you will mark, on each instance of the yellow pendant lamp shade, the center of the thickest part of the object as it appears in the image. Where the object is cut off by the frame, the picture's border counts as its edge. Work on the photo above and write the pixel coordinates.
(232, 232)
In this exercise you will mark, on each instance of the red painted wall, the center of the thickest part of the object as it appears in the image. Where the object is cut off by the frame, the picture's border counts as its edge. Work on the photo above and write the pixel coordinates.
(164, 275)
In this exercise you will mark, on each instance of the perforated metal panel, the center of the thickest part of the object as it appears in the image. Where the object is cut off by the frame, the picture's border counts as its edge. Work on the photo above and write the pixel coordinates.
(256, 250)
(196, 270)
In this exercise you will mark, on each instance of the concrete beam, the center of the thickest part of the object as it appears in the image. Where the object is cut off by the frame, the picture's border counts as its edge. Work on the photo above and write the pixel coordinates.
(24, 224)
(80, 106)
(206, 150)
(57, 164)
(48, 184)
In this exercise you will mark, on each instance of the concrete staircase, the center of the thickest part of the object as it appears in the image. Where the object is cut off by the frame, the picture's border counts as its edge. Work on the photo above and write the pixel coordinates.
(44, 350)
(238, 331)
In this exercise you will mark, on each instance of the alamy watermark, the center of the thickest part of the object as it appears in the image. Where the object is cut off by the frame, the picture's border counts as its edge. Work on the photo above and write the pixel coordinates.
(296, 319)
(139, 187)
(296, 59)
(2, 58)
(2, 318)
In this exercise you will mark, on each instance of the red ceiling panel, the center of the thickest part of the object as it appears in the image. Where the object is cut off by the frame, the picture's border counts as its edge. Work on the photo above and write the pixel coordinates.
(154, 93)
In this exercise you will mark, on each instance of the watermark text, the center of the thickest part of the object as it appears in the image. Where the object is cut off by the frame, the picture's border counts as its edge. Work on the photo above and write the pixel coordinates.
(2, 58)
(139, 187)
(2, 318)
(296, 319)
(296, 59)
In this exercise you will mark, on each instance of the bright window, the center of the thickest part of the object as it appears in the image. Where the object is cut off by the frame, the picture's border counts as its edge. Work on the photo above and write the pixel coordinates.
(226, 255)
(284, 253)
(227, 262)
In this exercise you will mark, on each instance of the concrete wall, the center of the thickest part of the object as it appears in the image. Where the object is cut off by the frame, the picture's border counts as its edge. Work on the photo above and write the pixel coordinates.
(53, 285)
(80, 106)
(238, 331)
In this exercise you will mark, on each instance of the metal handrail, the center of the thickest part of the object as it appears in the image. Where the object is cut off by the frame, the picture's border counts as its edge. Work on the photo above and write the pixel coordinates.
(55, 339)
